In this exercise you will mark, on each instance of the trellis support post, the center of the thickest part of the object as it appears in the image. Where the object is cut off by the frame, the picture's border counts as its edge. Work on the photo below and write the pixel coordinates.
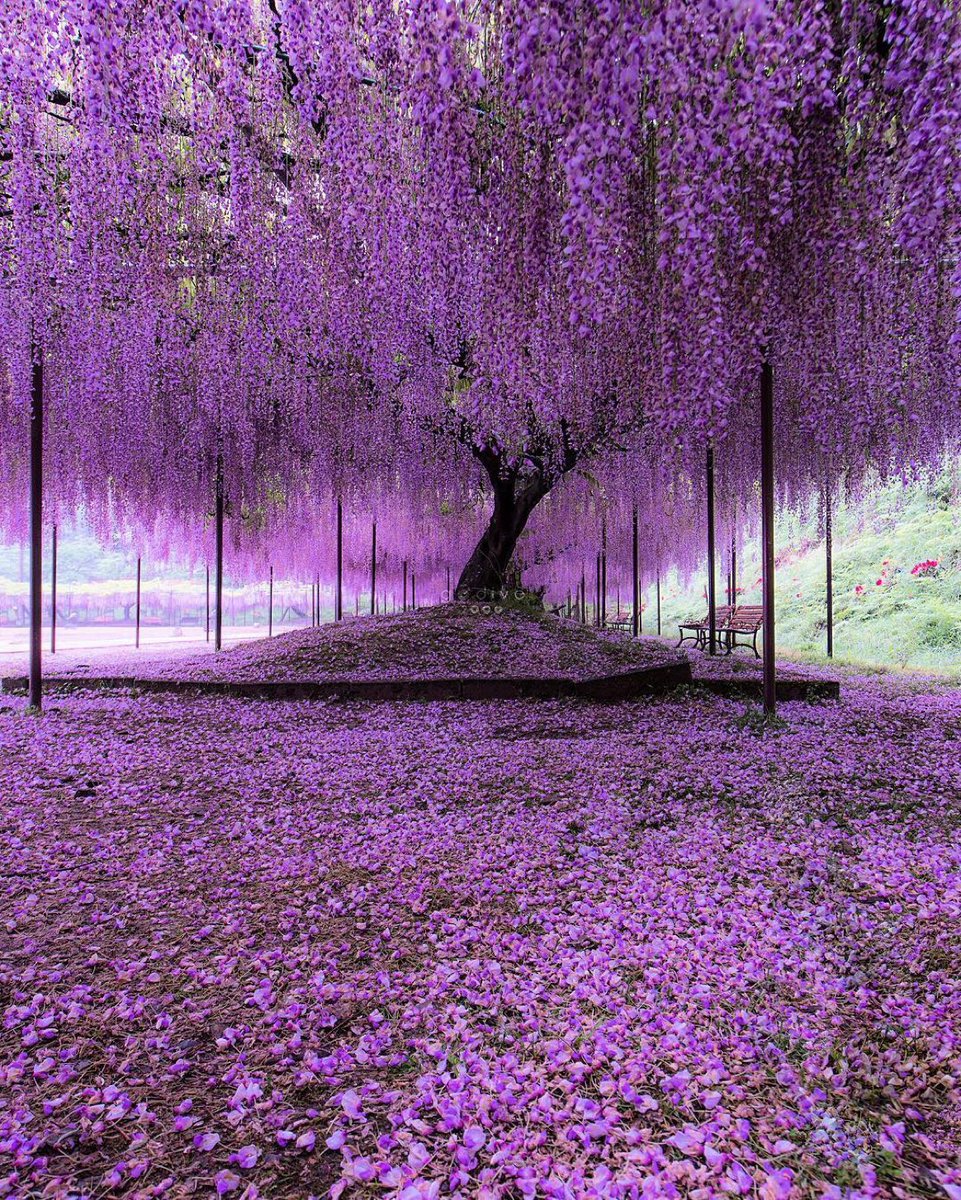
(53, 591)
(767, 533)
(219, 558)
(36, 525)
(711, 556)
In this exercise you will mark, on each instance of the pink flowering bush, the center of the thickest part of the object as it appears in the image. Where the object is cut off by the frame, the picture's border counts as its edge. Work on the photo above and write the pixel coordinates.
(927, 569)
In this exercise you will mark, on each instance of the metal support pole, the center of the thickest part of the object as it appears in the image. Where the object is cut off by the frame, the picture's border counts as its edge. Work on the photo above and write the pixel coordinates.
(339, 598)
(448, 583)
(208, 600)
(136, 636)
(711, 556)
(583, 597)
(658, 602)
(597, 593)
(36, 524)
(604, 574)
(373, 570)
(767, 532)
(635, 579)
(404, 608)
(829, 565)
(219, 557)
(413, 591)
(53, 592)
(734, 568)
(270, 605)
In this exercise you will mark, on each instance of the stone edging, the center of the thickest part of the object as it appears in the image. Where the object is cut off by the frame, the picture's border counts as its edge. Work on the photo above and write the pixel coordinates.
(621, 686)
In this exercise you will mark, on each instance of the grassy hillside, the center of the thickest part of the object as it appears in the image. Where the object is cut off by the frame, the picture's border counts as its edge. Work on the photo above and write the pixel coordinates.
(884, 614)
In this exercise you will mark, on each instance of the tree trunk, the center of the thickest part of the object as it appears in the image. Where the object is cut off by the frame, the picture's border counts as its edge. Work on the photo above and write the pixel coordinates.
(487, 568)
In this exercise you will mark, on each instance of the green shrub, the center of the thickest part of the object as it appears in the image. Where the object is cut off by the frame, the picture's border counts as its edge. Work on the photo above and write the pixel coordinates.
(939, 627)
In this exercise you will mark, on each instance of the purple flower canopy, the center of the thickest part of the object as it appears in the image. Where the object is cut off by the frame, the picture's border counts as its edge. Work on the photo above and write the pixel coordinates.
(346, 250)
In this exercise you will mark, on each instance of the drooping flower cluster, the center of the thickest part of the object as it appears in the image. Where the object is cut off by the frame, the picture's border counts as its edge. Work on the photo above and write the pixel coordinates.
(307, 248)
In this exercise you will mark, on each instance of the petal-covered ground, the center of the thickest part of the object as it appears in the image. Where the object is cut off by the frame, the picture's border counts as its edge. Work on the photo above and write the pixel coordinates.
(481, 950)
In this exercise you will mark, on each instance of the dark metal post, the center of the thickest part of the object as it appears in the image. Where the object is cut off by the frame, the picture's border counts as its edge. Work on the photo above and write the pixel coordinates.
(339, 598)
(36, 524)
(604, 573)
(583, 596)
(711, 556)
(597, 593)
(448, 583)
(658, 602)
(53, 593)
(413, 591)
(136, 638)
(829, 565)
(208, 599)
(219, 556)
(404, 608)
(734, 568)
(767, 531)
(373, 570)
(635, 579)
(270, 605)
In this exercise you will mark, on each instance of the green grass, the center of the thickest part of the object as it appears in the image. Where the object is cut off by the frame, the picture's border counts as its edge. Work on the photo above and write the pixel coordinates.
(908, 622)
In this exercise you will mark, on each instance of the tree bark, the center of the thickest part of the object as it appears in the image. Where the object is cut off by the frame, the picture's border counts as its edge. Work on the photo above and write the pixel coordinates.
(487, 568)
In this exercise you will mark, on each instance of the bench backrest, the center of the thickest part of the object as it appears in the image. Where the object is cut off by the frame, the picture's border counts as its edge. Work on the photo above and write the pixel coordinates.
(748, 614)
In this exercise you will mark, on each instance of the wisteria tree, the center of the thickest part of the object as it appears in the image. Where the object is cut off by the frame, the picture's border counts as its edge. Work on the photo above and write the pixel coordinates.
(333, 248)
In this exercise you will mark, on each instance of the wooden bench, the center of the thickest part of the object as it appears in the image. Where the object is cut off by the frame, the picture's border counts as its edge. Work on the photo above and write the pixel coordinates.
(699, 632)
(746, 621)
(621, 620)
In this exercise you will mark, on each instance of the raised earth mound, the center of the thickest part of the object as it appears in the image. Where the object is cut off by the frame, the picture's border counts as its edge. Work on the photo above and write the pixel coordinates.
(456, 641)
(450, 640)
